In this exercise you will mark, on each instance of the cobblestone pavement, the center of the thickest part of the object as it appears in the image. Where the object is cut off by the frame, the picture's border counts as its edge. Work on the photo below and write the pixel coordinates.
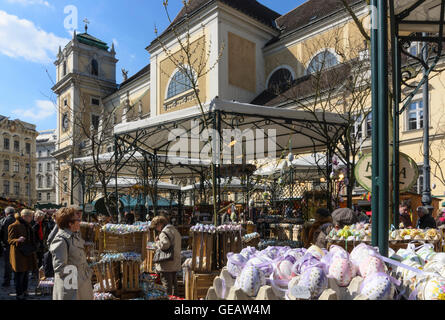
(9, 293)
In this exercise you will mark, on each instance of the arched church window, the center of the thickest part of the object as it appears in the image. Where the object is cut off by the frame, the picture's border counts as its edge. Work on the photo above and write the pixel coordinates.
(280, 79)
(323, 60)
(179, 83)
(64, 68)
(94, 67)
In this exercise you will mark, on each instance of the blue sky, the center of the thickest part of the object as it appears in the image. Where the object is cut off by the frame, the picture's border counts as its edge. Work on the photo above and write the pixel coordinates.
(32, 30)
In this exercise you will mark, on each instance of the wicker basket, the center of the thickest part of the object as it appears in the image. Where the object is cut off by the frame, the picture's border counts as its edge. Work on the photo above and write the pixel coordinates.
(131, 242)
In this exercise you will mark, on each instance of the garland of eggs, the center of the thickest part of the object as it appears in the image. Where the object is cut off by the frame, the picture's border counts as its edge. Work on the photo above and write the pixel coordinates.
(118, 257)
(251, 236)
(206, 228)
(124, 228)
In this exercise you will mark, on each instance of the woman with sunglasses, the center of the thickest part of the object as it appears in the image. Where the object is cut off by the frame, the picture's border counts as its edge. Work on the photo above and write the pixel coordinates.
(72, 275)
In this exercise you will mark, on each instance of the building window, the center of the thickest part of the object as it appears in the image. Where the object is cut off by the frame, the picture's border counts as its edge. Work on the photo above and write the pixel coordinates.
(48, 153)
(40, 196)
(39, 182)
(358, 128)
(280, 80)
(17, 188)
(6, 165)
(16, 166)
(48, 181)
(6, 144)
(95, 102)
(94, 67)
(48, 197)
(16, 146)
(65, 102)
(95, 121)
(40, 154)
(6, 187)
(369, 125)
(64, 68)
(415, 116)
(322, 61)
(40, 167)
(28, 168)
(48, 167)
(28, 148)
(179, 83)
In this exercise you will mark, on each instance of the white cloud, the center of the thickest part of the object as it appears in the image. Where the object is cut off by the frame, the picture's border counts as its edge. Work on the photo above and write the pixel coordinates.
(21, 38)
(42, 110)
(32, 2)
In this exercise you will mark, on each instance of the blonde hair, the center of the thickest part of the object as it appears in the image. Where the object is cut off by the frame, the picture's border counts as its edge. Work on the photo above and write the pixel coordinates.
(26, 212)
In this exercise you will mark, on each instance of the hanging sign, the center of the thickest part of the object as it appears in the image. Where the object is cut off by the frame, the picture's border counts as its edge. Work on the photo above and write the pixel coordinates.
(409, 172)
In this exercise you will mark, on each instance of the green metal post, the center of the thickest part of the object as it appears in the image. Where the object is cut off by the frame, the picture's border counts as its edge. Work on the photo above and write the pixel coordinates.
(375, 125)
(383, 155)
(396, 122)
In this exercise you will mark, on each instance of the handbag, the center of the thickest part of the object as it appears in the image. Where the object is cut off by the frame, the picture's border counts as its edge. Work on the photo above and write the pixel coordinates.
(164, 255)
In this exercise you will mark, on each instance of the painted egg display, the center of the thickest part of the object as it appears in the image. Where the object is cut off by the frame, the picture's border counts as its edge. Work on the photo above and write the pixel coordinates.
(342, 271)
(435, 289)
(250, 281)
(315, 280)
(378, 286)
(307, 261)
(371, 265)
(406, 274)
(262, 264)
(413, 258)
(235, 264)
(440, 257)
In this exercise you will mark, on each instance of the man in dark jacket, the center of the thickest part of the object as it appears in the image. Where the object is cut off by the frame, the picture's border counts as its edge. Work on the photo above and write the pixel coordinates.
(6, 222)
(426, 220)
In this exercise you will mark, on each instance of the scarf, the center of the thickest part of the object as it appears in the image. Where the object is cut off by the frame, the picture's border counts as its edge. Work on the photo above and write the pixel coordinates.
(40, 231)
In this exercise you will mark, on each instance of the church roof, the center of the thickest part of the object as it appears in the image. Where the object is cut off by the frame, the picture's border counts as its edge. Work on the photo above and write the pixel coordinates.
(251, 8)
(140, 73)
(88, 39)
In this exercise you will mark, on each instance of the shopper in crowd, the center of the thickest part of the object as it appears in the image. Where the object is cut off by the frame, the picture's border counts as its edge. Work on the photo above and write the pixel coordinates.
(169, 238)
(343, 217)
(440, 220)
(129, 217)
(233, 215)
(288, 211)
(67, 251)
(404, 211)
(225, 218)
(8, 220)
(39, 229)
(23, 248)
(317, 232)
(426, 220)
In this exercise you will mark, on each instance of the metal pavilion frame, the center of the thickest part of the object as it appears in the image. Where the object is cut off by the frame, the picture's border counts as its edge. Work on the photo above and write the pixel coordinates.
(399, 21)
(321, 133)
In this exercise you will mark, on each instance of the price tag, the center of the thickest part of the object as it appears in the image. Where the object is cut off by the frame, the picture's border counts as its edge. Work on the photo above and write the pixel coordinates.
(299, 292)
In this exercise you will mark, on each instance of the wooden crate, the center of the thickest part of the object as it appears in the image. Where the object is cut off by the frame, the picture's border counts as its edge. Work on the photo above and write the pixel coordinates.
(203, 246)
(199, 285)
(252, 243)
(230, 241)
(130, 271)
(250, 228)
(188, 278)
(148, 265)
(395, 245)
(108, 276)
(132, 242)
(90, 232)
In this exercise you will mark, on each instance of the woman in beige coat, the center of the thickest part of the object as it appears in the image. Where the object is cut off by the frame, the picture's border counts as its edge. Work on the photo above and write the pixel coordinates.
(168, 236)
(69, 258)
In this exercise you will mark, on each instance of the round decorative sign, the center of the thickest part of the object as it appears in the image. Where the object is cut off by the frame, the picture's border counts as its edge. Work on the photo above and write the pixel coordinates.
(409, 172)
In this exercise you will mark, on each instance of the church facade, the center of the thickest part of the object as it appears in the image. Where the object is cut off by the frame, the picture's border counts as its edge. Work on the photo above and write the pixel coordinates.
(243, 51)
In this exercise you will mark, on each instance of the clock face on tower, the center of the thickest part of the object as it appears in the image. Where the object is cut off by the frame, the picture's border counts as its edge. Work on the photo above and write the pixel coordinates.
(65, 122)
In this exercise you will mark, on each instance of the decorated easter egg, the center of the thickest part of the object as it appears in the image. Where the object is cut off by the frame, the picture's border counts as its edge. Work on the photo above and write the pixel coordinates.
(339, 251)
(284, 269)
(407, 274)
(360, 253)
(414, 258)
(435, 289)
(248, 252)
(342, 271)
(378, 286)
(235, 264)
(250, 281)
(371, 265)
(315, 280)
(265, 265)
(440, 257)
(305, 262)
(315, 251)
